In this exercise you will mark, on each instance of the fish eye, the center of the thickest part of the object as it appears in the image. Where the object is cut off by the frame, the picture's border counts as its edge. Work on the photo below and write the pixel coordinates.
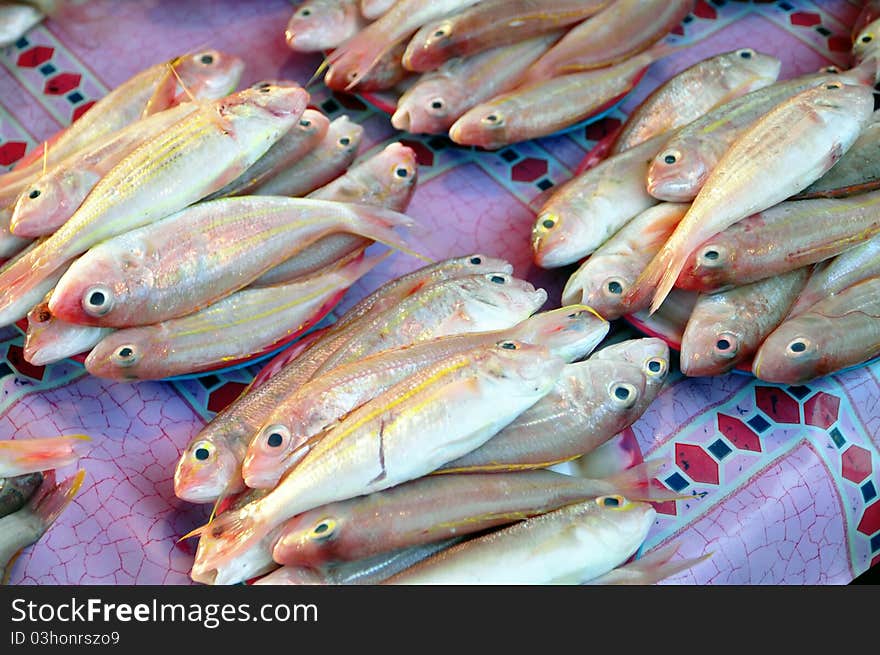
(671, 157)
(614, 287)
(43, 314)
(441, 32)
(305, 122)
(508, 345)
(746, 54)
(494, 119)
(611, 502)
(476, 261)
(656, 366)
(798, 346)
(624, 394)
(203, 450)
(126, 356)
(324, 529)
(265, 89)
(207, 59)
(97, 300)
(401, 172)
(276, 436)
(548, 223)
(712, 255)
(305, 12)
(726, 345)
(867, 38)
(497, 279)
(352, 76)
(344, 141)
(34, 194)
(833, 86)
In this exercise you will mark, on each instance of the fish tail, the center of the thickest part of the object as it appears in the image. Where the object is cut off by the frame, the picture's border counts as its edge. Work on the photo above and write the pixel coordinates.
(659, 275)
(33, 455)
(377, 224)
(230, 534)
(21, 275)
(649, 569)
(49, 504)
(636, 483)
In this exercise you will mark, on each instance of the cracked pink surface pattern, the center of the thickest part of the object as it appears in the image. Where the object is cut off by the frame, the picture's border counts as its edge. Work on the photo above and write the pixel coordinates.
(783, 514)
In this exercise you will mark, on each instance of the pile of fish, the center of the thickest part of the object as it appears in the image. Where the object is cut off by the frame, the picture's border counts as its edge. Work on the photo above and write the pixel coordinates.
(30, 497)
(179, 226)
(408, 442)
(764, 203)
(488, 72)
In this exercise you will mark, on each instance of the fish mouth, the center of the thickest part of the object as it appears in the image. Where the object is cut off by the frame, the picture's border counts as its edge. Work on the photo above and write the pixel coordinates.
(401, 120)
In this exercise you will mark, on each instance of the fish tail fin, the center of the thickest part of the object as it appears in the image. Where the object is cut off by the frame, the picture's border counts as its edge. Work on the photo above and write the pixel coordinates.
(659, 275)
(49, 504)
(377, 224)
(636, 483)
(649, 569)
(44, 454)
(230, 534)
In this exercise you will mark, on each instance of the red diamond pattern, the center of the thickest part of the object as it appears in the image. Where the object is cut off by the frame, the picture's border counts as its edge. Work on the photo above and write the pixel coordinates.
(777, 404)
(11, 152)
(855, 464)
(82, 109)
(821, 410)
(424, 155)
(35, 56)
(738, 433)
(697, 463)
(62, 83)
(805, 19)
(705, 11)
(870, 522)
(528, 170)
(223, 396)
(15, 356)
(666, 507)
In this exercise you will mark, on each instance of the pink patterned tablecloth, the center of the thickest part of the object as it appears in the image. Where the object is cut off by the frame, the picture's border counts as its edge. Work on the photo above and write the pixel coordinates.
(784, 481)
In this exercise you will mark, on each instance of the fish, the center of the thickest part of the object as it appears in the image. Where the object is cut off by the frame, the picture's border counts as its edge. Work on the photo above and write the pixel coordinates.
(695, 91)
(583, 213)
(649, 353)
(569, 332)
(241, 325)
(430, 418)
(200, 154)
(726, 328)
(50, 199)
(10, 244)
(834, 275)
(537, 109)
(386, 73)
(201, 254)
(49, 339)
(869, 13)
(439, 98)
(569, 545)
(27, 526)
(620, 31)
(22, 456)
(34, 294)
(784, 152)
(857, 172)
(681, 167)
(837, 332)
(297, 143)
(784, 237)
(208, 75)
(865, 43)
(327, 161)
(319, 25)
(592, 401)
(672, 317)
(209, 468)
(489, 24)
(490, 301)
(436, 508)
(373, 9)
(603, 279)
(15, 491)
(385, 179)
(355, 58)
(211, 462)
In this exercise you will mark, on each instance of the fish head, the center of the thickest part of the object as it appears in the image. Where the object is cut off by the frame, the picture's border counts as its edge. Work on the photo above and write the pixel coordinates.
(252, 112)
(344, 135)
(104, 286)
(318, 25)
(846, 106)
(602, 282)
(311, 124)
(866, 41)
(650, 354)
(429, 107)
(533, 367)
(209, 467)
(623, 521)
(486, 126)
(50, 200)
(49, 339)
(791, 354)
(478, 263)
(706, 266)
(711, 345)
(677, 172)
(209, 74)
(311, 538)
(430, 46)
(274, 448)
(495, 299)
(243, 566)
(125, 355)
(557, 238)
(749, 70)
(569, 332)
(390, 176)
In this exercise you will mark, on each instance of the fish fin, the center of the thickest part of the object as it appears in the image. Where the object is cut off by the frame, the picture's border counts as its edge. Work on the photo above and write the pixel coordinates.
(649, 569)
(659, 276)
(635, 483)
(44, 454)
(231, 533)
(324, 65)
(378, 230)
(166, 90)
(49, 504)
